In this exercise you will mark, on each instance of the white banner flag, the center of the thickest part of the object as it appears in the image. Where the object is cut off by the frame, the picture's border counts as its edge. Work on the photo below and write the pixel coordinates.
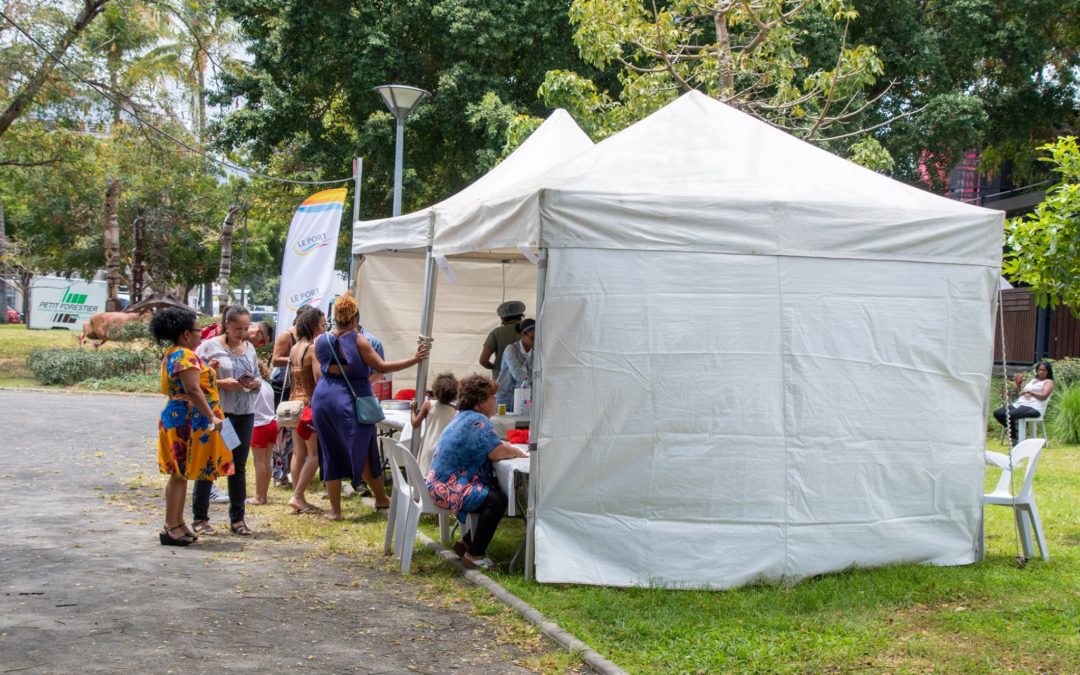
(307, 270)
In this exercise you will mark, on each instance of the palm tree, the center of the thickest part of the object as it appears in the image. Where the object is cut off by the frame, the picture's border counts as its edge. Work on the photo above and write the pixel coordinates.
(126, 29)
(199, 39)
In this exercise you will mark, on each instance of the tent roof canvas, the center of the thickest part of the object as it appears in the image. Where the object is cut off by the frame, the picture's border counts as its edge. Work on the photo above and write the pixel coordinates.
(700, 175)
(559, 138)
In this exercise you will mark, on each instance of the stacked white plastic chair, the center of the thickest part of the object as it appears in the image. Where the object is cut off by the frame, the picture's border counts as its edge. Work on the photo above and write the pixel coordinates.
(1023, 501)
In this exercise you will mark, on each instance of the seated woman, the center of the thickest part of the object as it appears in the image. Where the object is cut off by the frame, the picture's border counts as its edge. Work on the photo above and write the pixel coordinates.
(461, 478)
(516, 366)
(1032, 400)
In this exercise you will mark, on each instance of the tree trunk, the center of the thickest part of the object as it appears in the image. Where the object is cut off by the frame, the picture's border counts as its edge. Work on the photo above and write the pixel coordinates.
(137, 258)
(91, 8)
(201, 95)
(114, 63)
(112, 246)
(225, 271)
(25, 277)
(3, 267)
(208, 299)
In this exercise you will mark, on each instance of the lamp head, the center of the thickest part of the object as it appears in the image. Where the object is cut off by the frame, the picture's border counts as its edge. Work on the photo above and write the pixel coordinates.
(401, 99)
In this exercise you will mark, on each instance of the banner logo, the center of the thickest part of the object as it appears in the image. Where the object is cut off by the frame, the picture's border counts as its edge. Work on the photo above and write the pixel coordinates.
(306, 245)
(312, 296)
(307, 268)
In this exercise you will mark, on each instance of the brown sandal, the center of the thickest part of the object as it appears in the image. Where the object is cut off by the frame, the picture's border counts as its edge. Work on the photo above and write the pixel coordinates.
(241, 529)
(204, 527)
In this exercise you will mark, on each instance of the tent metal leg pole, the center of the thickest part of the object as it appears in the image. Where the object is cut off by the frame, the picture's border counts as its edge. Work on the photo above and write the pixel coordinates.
(426, 321)
(537, 405)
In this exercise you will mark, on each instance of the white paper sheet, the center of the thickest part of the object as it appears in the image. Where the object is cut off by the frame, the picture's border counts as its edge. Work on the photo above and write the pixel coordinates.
(228, 434)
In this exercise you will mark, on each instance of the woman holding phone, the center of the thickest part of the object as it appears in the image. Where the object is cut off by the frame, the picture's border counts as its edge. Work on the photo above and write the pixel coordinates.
(239, 381)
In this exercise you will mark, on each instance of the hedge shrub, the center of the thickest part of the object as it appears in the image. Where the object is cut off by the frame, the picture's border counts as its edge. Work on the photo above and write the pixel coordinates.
(1066, 372)
(70, 366)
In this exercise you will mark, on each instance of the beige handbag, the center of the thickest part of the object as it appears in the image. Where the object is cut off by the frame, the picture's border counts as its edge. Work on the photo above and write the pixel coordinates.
(288, 412)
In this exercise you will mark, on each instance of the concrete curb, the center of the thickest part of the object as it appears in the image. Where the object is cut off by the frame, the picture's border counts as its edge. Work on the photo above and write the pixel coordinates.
(591, 658)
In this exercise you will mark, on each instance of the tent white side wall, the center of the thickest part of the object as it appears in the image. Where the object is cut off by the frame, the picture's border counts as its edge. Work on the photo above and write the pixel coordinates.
(391, 292)
(715, 420)
(758, 361)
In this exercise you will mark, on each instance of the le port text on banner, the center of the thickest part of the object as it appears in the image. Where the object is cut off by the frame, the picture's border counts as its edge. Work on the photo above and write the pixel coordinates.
(307, 270)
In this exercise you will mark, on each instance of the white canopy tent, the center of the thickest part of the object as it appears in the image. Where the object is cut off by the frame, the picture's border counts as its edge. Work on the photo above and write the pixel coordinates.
(756, 361)
(391, 280)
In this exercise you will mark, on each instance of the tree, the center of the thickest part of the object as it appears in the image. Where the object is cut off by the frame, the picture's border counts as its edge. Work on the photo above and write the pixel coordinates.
(315, 114)
(990, 75)
(126, 29)
(790, 64)
(41, 73)
(113, 276)
(225, 269)
(1044, 246)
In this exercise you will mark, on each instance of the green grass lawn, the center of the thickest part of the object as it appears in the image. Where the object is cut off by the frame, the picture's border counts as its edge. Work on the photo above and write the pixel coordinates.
(987, 617)
(16, 343)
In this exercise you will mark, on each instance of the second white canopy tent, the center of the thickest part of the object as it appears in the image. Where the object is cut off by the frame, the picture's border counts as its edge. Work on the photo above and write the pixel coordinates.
(395, 273)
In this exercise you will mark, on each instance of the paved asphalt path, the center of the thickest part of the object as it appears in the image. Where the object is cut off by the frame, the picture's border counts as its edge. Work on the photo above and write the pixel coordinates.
(86, 587)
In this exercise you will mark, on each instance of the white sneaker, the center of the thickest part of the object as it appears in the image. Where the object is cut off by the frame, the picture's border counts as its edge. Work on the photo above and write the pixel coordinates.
(217, 496)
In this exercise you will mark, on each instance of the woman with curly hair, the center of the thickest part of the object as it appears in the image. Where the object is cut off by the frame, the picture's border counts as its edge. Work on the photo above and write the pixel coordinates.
(189, 443)
(347, 449)
(304, 375)
(461, 478)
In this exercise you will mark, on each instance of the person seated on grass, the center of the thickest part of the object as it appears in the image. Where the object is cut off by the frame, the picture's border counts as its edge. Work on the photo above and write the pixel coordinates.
(461, 478)
(1031, 402)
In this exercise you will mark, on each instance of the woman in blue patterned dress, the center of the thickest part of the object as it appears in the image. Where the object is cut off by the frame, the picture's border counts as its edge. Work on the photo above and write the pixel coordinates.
(189, 443)
(347, 449)
(461, 478)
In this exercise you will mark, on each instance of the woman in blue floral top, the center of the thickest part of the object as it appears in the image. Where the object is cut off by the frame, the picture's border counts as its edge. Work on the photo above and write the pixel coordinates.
(461, 477)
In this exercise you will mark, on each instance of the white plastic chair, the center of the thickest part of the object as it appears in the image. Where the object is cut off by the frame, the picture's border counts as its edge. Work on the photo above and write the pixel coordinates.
(1023, 502)
(1035, 422)
(400, 496)
(412, 500)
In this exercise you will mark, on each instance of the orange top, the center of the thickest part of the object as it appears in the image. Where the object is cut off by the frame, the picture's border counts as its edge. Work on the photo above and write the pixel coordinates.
(303, 380)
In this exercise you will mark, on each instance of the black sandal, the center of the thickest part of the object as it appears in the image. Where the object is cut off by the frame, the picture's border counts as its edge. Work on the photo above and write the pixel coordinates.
(167, 540)
(189, 531)
(241, 529)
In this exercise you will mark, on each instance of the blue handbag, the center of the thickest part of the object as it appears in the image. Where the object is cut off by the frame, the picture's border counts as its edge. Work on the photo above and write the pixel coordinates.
(368, 408)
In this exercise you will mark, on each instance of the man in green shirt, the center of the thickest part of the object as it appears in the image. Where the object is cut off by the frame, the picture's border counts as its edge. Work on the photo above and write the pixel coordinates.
(497, 340)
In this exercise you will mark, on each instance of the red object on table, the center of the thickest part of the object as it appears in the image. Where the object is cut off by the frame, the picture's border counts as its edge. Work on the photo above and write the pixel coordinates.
(517, 436)
(382, 390)
(405, 395)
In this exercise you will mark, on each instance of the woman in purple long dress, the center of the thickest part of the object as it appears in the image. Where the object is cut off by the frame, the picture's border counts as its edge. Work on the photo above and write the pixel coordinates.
(348, 449)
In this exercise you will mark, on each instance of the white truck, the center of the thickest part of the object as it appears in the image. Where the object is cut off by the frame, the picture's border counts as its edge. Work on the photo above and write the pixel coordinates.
(64, 303)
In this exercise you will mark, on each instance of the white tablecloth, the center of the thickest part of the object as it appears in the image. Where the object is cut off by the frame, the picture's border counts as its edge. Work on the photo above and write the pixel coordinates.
(397, 420)
(505, 470)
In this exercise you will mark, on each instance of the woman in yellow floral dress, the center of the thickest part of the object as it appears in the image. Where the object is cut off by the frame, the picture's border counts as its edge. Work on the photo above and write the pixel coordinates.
(189, 440)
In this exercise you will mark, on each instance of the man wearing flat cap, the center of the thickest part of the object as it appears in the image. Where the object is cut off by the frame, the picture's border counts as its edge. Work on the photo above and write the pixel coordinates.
(497, 340)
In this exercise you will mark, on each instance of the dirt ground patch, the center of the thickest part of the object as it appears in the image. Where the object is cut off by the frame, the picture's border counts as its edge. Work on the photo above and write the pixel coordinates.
(85, 586)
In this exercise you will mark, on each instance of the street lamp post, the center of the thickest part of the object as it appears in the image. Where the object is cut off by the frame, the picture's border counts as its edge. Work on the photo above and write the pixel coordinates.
(401, 99)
